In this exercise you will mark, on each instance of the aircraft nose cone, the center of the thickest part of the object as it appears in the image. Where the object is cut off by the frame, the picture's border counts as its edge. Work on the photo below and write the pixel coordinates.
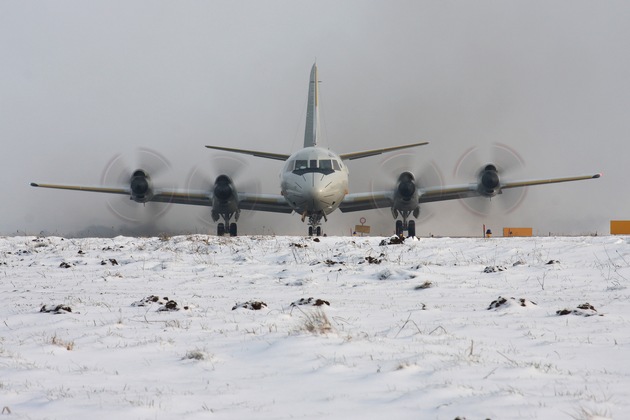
(316, 193)
(315, 196)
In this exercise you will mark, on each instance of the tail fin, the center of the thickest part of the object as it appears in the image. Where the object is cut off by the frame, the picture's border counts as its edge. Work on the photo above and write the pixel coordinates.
(311, 134)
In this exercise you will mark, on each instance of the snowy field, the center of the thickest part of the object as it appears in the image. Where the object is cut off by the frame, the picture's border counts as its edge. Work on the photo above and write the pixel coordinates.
(206, 327)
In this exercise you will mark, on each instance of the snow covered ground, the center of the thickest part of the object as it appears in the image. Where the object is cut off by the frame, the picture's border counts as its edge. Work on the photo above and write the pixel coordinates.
(163, 328)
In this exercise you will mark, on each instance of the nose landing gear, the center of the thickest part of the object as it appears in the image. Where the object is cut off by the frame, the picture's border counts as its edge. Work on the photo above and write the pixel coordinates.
(314, 224)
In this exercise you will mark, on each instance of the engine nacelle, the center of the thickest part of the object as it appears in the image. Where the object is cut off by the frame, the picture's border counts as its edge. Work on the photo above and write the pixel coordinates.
(223, 188)
(141, 186)
(406, 187)
(224, 198)
(488, 182)
(406, 193)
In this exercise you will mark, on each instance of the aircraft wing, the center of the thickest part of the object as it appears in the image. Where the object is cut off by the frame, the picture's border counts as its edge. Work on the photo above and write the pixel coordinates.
(108, 190)
(273, 203)
(198, 198)
(256, 202)
(517, 184)
(367, 201)
(455, 192)
(384, 199)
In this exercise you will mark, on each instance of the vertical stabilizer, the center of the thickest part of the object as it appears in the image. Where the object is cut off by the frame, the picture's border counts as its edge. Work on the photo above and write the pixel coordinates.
(311, 135)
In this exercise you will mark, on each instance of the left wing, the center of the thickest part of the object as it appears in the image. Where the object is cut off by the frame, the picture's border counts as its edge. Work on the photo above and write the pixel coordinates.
(455, 192)
(384, 199)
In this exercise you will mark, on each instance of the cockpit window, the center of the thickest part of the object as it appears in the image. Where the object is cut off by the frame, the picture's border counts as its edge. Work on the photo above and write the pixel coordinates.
(324, 166)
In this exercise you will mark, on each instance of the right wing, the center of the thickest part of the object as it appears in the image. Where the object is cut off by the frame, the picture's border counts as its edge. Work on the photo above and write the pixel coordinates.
(198, 198)
(274, 203)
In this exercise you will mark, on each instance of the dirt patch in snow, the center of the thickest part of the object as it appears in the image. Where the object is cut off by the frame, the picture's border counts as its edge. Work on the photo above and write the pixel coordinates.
(254, 305)
(55, 309)
(585, 309)
(426, 285)
(394, 240)
(502, 302)
(372, 260)
(165, 304)
(494, 269)
(310, 301)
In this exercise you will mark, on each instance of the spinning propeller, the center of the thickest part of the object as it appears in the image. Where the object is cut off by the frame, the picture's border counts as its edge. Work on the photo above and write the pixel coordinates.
(137, 174)
(405, 172)
(220, 174)
(490, 165)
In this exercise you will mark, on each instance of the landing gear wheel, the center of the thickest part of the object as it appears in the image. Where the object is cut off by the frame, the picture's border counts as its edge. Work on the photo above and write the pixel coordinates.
(220, 229)
(318, 231)
(310, 231)
(399, 227)
(411, 228)
(232, 229)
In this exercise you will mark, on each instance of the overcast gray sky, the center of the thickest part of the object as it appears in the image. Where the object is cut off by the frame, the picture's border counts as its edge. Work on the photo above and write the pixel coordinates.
(81, 82)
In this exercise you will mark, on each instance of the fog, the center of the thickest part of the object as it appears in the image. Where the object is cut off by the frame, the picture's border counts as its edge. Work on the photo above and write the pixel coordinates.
(83, 82)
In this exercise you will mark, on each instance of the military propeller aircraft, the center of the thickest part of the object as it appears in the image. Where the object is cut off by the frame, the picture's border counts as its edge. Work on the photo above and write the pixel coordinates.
(314, 183)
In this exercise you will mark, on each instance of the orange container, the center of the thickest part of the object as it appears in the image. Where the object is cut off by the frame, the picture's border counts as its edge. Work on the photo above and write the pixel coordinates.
(620, 227)
(512, 231)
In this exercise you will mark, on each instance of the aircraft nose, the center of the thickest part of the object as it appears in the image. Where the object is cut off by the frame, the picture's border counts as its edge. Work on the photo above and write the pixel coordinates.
(316, 193)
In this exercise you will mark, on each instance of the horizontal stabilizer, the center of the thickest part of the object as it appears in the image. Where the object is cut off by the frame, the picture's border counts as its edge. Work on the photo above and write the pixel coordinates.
(266, 155)
(368, 153)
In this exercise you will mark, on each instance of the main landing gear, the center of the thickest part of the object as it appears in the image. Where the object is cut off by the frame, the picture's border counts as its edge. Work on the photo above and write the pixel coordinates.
(404, 225)
(232, 229)
(410, 228)
(221, 227)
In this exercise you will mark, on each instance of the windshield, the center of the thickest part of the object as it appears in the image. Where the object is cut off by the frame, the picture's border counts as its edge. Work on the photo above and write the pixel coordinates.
(325, 166)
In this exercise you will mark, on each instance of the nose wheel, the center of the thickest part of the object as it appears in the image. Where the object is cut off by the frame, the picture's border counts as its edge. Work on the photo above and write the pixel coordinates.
(317, 231)
(314, 224)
